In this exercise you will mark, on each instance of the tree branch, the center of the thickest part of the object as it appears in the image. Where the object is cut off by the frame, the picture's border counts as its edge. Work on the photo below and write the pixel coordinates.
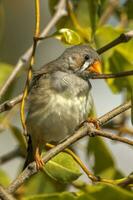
(112, 5)
(113, 113)
(8, 105)
(60, 12)
(111, 136)
(123, 38)
(126, 181)
(11, 155)
(85, 130)
(107, 76)
(4, 195)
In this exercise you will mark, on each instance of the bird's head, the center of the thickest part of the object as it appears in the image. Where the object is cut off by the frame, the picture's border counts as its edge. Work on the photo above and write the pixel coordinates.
(82, 58)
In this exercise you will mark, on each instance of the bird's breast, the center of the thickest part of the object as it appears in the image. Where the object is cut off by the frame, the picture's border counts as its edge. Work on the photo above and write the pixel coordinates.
(56, 115)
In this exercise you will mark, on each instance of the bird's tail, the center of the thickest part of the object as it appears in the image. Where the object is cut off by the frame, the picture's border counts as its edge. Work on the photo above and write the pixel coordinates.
(30, 157)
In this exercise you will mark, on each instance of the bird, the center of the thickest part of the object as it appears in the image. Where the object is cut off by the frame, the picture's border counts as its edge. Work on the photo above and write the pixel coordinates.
(59, 99)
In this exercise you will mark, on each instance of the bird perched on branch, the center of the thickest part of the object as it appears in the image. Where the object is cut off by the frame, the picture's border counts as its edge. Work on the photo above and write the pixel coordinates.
(59, 99)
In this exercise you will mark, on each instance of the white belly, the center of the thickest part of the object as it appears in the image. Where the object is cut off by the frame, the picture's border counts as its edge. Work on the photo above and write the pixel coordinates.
(60, 118)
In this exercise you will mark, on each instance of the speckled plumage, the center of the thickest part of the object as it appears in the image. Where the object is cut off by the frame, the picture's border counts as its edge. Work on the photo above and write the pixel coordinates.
(59, 98)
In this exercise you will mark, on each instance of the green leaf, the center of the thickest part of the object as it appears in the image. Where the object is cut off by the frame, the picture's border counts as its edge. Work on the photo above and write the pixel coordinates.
(93, 10)
(5, 70)
(128, 7)
(109, 192)
(100, 151)
(132, 106)
(85, 14)
(117, 59)
(67, 36)
(4, 179)
(54, 196)
(63, 168)
(118, 63)
(41, 183)
(92, 192)
(101, 40)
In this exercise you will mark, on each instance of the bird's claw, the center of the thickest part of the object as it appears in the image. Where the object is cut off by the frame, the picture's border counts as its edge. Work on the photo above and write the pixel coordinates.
(39, 163)
(38, 160)
(95, 122)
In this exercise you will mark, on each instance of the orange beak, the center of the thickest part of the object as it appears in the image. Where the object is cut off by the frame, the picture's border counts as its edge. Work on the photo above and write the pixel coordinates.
(95, 67)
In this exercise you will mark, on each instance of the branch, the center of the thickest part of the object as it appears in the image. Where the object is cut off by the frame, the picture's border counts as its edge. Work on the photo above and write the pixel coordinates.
(85, 130)
(4, 195)
(60, 12)
(127, 181)
(121, 130)
(30, 67)
(112, 136)
(107, 76)
(113, 4)
(123, 38)
(8, 105)
(11, 155)
(113, 113)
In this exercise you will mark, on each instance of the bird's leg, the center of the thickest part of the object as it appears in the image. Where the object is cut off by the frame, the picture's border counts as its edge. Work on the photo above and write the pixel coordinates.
(90, 120)
(38, 159)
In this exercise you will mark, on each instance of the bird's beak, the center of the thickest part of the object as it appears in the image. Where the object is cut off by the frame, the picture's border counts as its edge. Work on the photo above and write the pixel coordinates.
(95, 67)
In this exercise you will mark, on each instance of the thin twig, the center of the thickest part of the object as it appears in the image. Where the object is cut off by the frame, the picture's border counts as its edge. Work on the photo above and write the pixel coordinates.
(31, 63)
(112, 136)
(11, 155)
(108, 76)
(85, 130)
(113, 4)
(124, 37)
(4, 195)
(60, 12)
(121, 130)
(78, 160)
(127, 181)
(113, 113)
(8, 105)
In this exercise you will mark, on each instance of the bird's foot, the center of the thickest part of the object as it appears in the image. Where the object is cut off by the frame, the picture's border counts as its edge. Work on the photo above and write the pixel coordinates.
(38, 160)
(95, 122)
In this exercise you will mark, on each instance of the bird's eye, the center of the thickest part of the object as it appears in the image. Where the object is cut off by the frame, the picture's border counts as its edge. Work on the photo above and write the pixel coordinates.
(87, 57)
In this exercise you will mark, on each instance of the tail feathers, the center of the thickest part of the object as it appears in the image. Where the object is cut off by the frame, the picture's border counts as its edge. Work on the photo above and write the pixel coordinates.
(30, 157)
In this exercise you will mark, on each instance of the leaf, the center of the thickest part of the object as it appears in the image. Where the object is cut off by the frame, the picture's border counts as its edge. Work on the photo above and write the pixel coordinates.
(117, 59)
(41, 183)
(5, 70)
(54, 196)
(128, 7)
(67, 36)
(4, 179)
(63, 168)
(132, 106)
(101, 40)
(118, 63)
(83, 17)
(93, 10)
(99, 150)
(93, 192)
(102, 191)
